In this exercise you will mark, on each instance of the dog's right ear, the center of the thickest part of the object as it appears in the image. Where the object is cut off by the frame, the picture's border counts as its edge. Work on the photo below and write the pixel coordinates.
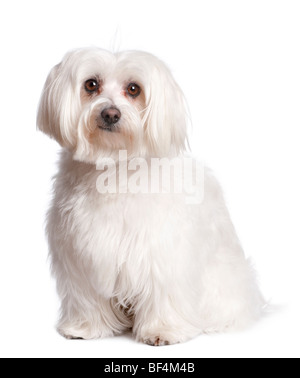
(56, 107)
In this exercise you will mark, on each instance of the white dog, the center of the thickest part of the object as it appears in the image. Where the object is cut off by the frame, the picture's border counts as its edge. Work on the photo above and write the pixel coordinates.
(152, 262)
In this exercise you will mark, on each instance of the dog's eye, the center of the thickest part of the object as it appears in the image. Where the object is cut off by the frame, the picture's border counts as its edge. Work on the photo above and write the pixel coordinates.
(91, 85)
(133, 90)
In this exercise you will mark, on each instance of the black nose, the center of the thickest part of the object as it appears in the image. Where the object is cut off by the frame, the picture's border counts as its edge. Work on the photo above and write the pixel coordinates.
(110, 115)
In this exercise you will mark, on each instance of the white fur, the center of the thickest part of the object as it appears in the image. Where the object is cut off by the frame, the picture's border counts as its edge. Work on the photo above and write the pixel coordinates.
(150, 262)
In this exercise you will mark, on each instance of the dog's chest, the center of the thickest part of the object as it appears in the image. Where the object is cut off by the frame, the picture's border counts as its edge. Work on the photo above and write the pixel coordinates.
(124, 235)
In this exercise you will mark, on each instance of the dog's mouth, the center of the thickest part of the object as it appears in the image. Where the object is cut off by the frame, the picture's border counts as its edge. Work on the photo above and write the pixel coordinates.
(109, 128)
(106, 128)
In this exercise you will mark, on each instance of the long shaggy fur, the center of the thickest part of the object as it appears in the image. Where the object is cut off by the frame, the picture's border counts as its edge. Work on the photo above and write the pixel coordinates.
(151, 262)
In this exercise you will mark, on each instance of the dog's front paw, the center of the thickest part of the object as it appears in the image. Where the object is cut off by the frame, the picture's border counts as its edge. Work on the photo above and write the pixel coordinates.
(77, 333)
(156, 341)
(84, 331)
(160, 337)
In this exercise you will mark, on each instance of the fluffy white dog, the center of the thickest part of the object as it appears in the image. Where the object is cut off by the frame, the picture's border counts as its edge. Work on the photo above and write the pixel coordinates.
(151, 261)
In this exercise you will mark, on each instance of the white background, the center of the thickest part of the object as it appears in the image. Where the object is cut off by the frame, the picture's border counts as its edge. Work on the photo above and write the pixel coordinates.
(238, 63)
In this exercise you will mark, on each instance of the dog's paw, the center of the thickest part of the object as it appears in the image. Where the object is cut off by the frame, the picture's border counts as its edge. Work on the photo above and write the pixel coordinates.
(162, 334)
(156, 341)
(69, 336)
(72, 333)
(160, 337)
(83, 332)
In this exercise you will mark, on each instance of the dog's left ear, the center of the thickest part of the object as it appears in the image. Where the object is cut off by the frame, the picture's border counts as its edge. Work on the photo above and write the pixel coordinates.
(165, 119)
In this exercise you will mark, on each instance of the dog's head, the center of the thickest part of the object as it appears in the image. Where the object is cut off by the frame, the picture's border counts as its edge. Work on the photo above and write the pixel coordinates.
(96, 103)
